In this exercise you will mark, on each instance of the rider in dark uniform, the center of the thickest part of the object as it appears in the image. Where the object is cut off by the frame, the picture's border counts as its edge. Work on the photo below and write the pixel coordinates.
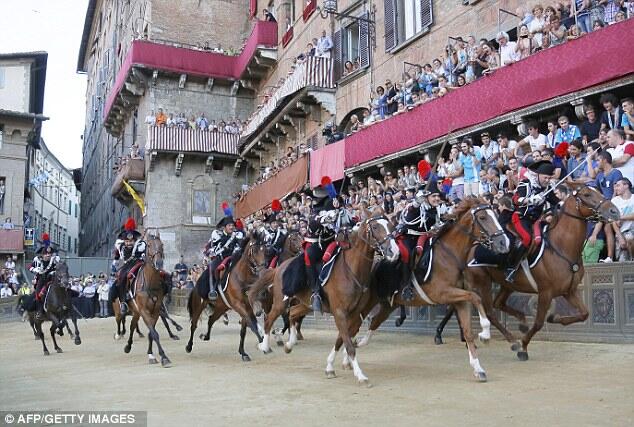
(529, 201)
(274, 237)
(225, 241)
(43, 266)
(129, 248)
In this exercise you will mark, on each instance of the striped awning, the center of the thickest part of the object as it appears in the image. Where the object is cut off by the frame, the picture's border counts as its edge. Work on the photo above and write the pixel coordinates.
(161, 138)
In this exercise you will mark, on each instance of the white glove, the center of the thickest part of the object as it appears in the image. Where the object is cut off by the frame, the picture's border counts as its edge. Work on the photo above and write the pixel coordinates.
(536, 199)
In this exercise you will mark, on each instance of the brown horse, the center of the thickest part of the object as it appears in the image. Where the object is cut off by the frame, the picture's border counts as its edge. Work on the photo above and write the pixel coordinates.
(245, 272)
(148, 297)
(557, 273)
(345, 291)
(471, 222)
(58, 308)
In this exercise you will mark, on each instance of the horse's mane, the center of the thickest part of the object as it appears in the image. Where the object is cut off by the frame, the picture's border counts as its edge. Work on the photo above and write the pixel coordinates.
(465, 205)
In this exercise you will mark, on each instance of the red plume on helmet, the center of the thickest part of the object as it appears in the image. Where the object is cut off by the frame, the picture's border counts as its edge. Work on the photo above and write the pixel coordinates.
(130, 225)
(226, 209)
(327, 185)
(239, 224)
(424, 168)
(561, 150)
(46, 239)
(276, 206)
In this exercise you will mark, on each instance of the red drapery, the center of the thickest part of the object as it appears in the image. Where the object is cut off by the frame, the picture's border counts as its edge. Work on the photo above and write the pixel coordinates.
(253, 8)
(288, 180)
(593, 59)
(327, 161)
(193, 62)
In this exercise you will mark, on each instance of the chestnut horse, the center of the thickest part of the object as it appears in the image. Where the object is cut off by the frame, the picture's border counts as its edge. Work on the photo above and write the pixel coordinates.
(472, 221)
(557, 273)
(245, 272)
(345, 291)
(148, 297)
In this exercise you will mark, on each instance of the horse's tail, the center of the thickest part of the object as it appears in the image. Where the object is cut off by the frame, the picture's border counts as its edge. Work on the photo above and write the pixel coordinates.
(265, 279)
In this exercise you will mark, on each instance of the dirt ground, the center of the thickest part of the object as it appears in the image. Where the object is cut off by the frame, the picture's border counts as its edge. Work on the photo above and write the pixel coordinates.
(413, 381)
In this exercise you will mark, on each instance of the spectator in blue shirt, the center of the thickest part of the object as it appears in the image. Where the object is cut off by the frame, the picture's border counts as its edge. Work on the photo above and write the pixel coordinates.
(606, 178)
(566, 132)
(470, 163)
(576, 157)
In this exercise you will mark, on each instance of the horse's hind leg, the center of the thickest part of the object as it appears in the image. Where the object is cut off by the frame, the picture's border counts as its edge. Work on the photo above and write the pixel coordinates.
(150, 352)
(464, 316)
(73, 318)
(167, 326)
(377, 320)
(344, 327)
(215, 315)
(485, 291)
(133, 325)
(300, 337)
(197, 308)
(442, 324)
(53, 332)
(150, 321)
(38, 328)
(500, 304)
(243, 334)
(296, 312)
(278, 308)
(401, 318)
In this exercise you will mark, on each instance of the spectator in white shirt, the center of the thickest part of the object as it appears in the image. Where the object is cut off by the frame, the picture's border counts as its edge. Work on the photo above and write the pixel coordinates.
(508, 51)
(150, 119)
(103, 290)
(9, 264)
(6, 291)
(536, 140)
(490, 151)
(624, 228)
(8, 225)
(324, 45)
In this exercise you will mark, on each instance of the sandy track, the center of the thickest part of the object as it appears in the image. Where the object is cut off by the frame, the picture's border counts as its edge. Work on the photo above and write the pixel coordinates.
(413, 381)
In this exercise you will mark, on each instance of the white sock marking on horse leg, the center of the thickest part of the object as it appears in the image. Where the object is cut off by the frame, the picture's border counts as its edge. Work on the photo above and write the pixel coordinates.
(330, 361)
(475, 364)
(357, 370)
(150, 356)
(485, 323)
(366, 339)
(260, 329)
(264, 345)
(346, 359)
(292, 339)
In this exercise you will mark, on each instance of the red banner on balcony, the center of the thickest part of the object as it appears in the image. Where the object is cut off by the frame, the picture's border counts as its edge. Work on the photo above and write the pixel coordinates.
(253, 8)
(573, 66)
(309, 9)
(327, 161)
(288, 180)
(287, 37)
(12, 241)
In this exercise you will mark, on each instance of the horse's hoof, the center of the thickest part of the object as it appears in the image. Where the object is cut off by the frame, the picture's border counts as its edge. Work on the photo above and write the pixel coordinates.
(141, 335)
(522, 355)
(523, 328)
(178, 328)
(481, 376)
(127, 348)
(287, 349)
(399, 322)
(188, 348)
(46, 353)
(60, 333)
(152, 361)
(246, 358)
(77, 341)
(552, 318)
(165, 362)
(438, 340)
(174, 337)
(330, 375)
(225, 321)
(516, 346)
(365, 383)
(300, 337)
(116, 337)
(269, 351)
(280, 343)
(484, 340)
(59, 350)
(36, 337)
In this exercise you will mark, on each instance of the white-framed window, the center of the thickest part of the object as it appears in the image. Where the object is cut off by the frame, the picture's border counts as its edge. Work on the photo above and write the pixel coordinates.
(350, 43)
(406, 19)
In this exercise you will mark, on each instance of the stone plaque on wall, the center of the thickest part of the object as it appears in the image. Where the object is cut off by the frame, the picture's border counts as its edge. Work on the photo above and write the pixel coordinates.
(603, 306)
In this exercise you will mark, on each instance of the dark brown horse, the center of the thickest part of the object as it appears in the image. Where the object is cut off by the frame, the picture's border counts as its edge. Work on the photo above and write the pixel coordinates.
(245, 272)
(121, 320)
(472, 221)
(345, 291)
(558, 272)
(58, 309)
(148, 297)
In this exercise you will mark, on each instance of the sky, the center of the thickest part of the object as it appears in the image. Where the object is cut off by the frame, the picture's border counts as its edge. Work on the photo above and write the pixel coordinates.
(54, 26)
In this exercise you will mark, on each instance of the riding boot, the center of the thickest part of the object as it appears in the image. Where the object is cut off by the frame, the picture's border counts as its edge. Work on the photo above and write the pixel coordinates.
(39, 307)
(315, 297)
(407, 289)
(123, 306)
(514, 261)
(213, 290)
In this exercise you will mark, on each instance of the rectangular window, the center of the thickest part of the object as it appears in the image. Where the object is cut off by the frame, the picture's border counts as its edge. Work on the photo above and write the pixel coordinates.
(69, 244)
(350, 43)
(2, 135)
(3, 192)
(352, 47)
(75, 210)
(75, 246)
(202, 202)
(2, 77)
(406, 19)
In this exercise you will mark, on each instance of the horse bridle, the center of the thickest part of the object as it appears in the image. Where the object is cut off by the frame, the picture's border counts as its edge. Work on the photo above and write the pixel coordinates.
(482, 238)
(596, 210)
(254, 267)
(378, 246)
(158, 252)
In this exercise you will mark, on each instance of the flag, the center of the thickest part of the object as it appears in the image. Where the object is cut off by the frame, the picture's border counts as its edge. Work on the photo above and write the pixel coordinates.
(135, 196)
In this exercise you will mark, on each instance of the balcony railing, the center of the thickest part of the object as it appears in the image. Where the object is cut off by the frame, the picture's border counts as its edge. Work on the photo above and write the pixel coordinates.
(178, 140)
(133, 170)
(314, 72)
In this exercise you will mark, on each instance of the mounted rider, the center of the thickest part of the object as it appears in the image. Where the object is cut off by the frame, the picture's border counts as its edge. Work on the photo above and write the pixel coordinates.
(129, 248)
(43, 266)
(275, 235)
(529, 200)
(225, 243)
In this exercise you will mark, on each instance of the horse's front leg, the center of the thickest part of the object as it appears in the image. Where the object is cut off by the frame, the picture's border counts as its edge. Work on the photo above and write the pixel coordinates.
(53, 332)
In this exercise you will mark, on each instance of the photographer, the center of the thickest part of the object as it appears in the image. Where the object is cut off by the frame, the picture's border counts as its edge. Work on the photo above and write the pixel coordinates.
(331, 134)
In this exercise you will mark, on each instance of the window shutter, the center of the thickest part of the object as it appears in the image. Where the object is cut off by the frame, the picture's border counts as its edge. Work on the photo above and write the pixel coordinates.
(391, 37)
(337, 56)
(426, 14)
(364, 41)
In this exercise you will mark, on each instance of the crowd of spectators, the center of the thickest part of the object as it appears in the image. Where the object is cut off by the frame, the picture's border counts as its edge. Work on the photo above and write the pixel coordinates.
(184, 277)
(465, 61)
(9, 278)
(232, 125)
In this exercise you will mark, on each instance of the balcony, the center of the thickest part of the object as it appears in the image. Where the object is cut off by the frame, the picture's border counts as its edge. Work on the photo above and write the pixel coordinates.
(258, 56)
(133, 172)
(310, 83)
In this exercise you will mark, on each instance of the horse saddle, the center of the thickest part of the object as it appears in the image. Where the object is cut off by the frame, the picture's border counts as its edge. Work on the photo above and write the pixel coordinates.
(426, 259)
(325, 271)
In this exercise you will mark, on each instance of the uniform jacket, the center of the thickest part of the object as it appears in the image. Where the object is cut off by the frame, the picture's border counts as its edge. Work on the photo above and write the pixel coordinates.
(125, 254)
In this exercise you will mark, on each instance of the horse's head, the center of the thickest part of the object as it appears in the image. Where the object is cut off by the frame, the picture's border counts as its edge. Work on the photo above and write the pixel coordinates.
(257, 255)
(154, 248)
(378, 233)
(592, 205)
(294, 242)
(61, 274)
(488, 228)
